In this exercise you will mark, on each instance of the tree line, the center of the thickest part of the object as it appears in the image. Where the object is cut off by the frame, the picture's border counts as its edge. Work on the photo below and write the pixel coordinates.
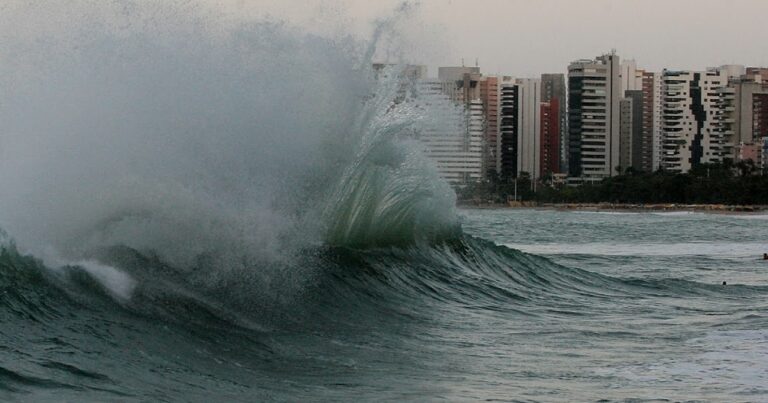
(741, 183)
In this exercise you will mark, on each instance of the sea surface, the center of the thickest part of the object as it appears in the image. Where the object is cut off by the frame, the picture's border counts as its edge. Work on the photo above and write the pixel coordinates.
(522, 305)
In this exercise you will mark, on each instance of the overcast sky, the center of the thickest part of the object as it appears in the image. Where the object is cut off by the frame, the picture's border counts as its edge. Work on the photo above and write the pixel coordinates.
(529, 37)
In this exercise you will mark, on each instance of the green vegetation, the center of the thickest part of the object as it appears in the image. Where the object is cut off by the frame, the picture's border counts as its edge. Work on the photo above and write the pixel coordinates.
(735, 184)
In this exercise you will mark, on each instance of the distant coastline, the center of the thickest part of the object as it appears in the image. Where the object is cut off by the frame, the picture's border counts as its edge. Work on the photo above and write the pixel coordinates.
(625, 207)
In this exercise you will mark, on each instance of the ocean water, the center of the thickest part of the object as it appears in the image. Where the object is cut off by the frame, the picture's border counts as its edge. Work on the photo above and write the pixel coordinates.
(197, 207)
(576, 306)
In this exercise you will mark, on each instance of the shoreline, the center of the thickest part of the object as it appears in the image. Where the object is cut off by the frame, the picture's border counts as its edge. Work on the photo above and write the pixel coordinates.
(624, 207)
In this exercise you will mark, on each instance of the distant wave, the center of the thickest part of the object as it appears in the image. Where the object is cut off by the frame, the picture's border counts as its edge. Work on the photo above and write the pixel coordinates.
(720, 249)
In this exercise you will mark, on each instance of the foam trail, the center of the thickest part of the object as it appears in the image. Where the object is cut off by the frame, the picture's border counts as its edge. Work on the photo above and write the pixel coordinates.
(722, 249)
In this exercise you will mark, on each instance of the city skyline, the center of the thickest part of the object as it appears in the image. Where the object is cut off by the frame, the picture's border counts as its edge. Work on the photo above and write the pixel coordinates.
(619, 118)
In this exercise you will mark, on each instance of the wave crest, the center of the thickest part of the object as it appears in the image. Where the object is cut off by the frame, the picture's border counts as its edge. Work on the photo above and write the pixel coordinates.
(389, 193)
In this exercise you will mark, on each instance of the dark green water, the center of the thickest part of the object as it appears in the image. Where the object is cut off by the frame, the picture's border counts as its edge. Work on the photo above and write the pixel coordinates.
(602, 307)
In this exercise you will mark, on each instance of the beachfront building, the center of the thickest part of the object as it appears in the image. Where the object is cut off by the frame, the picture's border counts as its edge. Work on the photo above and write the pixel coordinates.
(529, 127)
(549, 153)
(745, 105)
(520, 128)
(509, 112)
(553, 91)
(651, 150)
(692, 118)
(644, 137)
(626, 133)
(594, 93)
(455, 141)
(490, 93)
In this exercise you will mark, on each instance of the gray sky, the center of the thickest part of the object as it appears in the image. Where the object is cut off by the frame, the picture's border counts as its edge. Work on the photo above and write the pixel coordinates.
(528, 37)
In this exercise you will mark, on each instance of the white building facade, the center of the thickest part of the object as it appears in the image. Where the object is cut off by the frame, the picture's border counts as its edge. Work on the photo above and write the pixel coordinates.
(692, 119)
(455, 144)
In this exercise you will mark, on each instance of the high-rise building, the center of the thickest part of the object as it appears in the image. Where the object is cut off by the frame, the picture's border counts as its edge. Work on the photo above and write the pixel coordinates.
(456, 145)
(631, 123)
(509, 114)
(760, 112)
(646, 145)
(520, 128)
(637, 146)
(745, 112)
(474, 145)
(650, 152)
(549, 153)
(625, 134)
(529, 134)
(553, 88)
(692, 118)
(594, 92)
(490, 94)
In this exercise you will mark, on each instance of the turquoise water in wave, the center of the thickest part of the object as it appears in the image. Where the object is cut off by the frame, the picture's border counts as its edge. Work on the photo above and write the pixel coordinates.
(596, 307)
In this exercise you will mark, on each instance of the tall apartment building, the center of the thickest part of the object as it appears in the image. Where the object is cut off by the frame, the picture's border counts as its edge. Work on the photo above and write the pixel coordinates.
(509, 113)
(636, 144)
(760, 112)
(692, 118)
(650, 153)
(646, 137)
(746, 113)
(594, 92)
(553, 88)
(734, 148)
(520, 128)
(625, 134)
(455, 145)
(475, 143)
(549, 154)
(490, 94)
(529, 134)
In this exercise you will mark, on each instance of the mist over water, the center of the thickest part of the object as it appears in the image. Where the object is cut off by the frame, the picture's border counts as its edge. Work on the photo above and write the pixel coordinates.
(165, 127)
